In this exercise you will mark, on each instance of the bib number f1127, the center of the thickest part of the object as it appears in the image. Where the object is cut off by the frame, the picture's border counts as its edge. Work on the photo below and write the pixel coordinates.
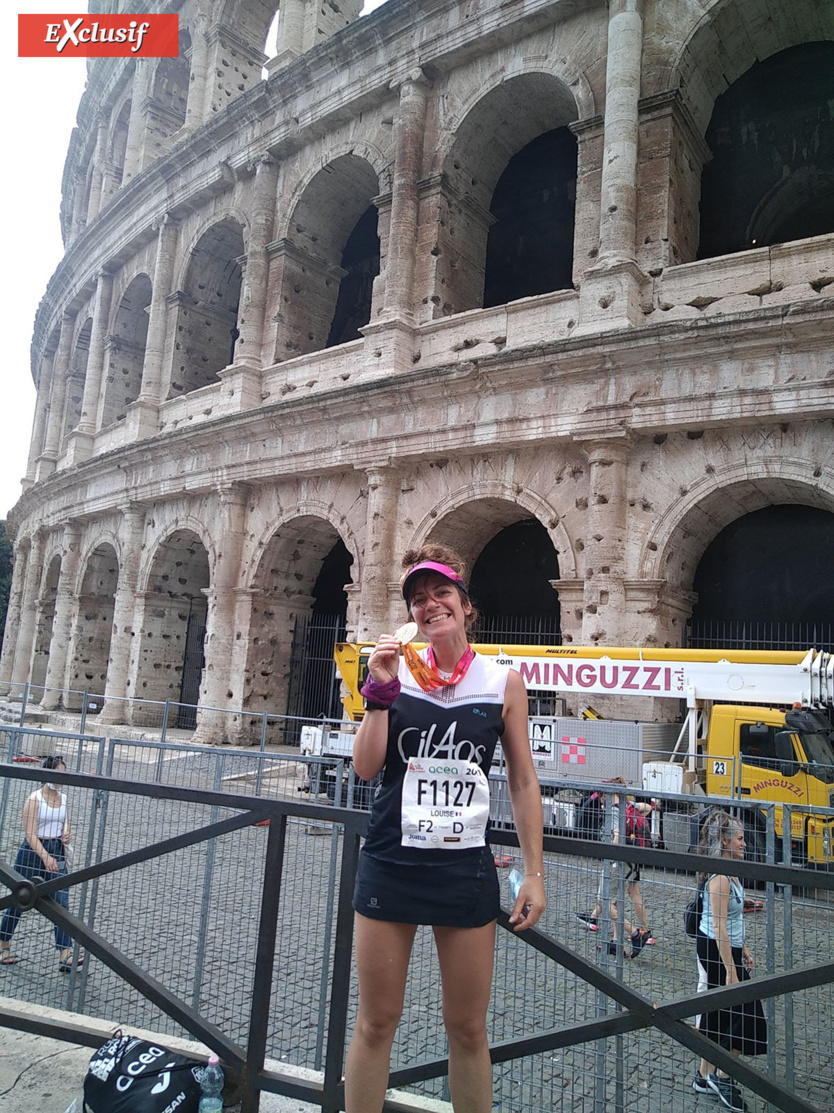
(445, 805)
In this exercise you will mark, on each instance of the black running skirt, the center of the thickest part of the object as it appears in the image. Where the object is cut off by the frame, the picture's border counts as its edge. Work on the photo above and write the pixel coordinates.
(461, 893)
(742, 1028)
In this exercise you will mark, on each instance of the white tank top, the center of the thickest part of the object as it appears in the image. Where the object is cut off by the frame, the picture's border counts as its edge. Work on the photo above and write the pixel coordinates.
(51, 821)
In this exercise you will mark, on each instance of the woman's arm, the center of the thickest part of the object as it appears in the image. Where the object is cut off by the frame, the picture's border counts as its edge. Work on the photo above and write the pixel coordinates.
(719, 895)
(526, 798)
(30, 830)
(371, 741)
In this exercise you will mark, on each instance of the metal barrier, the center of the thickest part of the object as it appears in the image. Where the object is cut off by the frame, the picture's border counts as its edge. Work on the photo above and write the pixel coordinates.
(240, 934)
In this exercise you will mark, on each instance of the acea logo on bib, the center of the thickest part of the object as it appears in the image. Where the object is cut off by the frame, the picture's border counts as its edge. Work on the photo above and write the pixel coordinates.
(447, 746)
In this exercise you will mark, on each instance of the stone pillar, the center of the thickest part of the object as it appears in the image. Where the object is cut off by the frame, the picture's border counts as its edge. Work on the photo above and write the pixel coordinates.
(94, 202)
(409, 131)
(219, 688)
(79, 207)
(66, 608)
(605, 536)
(613, 291)
(28, 610)
(143, 414)
(657, 613)
(571, 609)
(250, 322)
(199, 76)
(290, 33)
(136, 127)
(124, 612)
(12, 632)
(54, 426)
(41, 418)
(88, 423)
(379, 561)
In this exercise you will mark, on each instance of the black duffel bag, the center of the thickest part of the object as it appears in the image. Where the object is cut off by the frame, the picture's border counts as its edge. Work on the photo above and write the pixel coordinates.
(129, 1075)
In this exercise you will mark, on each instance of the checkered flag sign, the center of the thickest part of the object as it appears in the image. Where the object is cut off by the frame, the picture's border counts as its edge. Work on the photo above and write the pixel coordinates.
(573, 751)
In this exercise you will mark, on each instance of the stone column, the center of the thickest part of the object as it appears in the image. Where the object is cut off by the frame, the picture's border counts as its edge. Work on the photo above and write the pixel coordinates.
(219, 688)
(124, 611)
(94, 202)
(66, 608)
(28, 610)
(250, 322)
(571, 609)
(409, 131)
(605, 536)
(290, 32)
(379, 559)
(136, 127)
(613, 290)
(60, 372)
(12, 633)
(88, 424)
(143, 414)
(41, 418)
(197, 90)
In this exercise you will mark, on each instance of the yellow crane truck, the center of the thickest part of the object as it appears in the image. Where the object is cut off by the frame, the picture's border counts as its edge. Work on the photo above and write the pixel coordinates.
(757, 725)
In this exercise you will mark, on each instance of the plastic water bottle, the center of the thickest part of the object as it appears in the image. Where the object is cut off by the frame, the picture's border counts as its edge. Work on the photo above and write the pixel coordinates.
(211, 1085)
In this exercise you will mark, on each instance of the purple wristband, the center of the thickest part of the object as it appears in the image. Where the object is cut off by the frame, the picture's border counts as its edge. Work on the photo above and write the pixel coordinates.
(382, 693)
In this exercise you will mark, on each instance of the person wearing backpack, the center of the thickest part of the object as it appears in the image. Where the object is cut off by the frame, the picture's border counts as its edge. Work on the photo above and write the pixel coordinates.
(724, 959)
(637, 833)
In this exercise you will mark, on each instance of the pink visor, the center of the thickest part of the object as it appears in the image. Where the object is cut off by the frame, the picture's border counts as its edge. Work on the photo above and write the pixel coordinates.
(432, 566)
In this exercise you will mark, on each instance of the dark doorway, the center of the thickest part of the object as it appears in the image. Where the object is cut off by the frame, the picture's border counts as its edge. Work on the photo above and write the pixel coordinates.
(771, 178)
(192, 665)
(765, 582)
(360, 259)
(510, 587)
(314, 685)
(530, 245)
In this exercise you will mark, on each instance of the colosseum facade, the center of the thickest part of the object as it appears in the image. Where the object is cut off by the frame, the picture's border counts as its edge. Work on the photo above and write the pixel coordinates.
(549, 280)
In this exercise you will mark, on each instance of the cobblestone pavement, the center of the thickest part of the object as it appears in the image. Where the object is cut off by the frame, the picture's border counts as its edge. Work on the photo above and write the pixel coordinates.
(191, 921)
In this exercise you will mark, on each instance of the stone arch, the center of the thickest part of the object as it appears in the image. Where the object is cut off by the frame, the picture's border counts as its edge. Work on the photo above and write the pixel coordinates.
(207, 308)
(46, 602)
(282, 590)
(168, 102)
(170, 653)
(76, 377)
(90, 653)
(126, 350)
(309, 260)
(675, 546)
(771, 177)
(117, 147)
(510, 116)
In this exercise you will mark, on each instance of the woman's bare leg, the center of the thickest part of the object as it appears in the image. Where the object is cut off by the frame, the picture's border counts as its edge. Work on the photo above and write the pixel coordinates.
(467, 958)
(382, 951)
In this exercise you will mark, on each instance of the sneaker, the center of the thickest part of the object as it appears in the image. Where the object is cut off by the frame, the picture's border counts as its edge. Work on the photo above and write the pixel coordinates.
(648, 938)
(727, 1092)
(638, 942)
(700, 1085)
(588, 922)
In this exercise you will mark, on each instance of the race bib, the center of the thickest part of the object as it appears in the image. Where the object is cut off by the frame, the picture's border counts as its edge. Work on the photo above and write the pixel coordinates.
(445, 804)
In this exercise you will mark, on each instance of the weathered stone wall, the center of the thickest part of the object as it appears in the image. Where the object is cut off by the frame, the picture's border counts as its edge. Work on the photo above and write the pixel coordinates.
(633, 416)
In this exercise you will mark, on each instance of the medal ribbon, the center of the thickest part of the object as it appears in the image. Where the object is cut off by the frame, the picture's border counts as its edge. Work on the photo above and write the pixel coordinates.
(425, 672)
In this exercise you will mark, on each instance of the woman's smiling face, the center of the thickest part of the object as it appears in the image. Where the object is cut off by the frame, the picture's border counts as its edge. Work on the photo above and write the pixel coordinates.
(437, 606)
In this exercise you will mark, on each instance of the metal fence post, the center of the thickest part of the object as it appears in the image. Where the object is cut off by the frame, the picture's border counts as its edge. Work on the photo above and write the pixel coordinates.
(23, 702)
(165, 719)
(205, 904)
(83, 724)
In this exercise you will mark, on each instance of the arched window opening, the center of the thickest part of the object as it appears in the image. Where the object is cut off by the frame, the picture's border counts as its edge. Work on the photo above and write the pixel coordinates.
(765, 582)
(167, 108)
(173, 629)
(360, 259)
(510, 584)
(530, 245)
(94, 627)
(126, 351)
(207, 310)
(771, 178)
(76, 377)
(118, 147)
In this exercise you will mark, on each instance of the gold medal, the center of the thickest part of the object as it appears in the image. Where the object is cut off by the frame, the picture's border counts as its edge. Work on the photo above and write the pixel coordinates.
(406, 633)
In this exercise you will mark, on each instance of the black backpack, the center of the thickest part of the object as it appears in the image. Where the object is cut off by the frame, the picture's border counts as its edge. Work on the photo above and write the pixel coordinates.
(129, 1075)
(589, 816)
(693, 911)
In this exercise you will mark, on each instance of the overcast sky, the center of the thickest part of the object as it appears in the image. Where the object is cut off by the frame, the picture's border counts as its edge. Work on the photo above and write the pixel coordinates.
(42, 96)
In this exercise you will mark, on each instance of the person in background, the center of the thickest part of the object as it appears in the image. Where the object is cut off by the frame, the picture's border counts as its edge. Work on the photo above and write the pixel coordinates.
(723, 959)
(637, 811)
(431, 725)
(42, 855)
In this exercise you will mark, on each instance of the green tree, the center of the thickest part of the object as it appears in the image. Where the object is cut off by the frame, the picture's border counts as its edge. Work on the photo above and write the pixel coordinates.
(5, 576)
